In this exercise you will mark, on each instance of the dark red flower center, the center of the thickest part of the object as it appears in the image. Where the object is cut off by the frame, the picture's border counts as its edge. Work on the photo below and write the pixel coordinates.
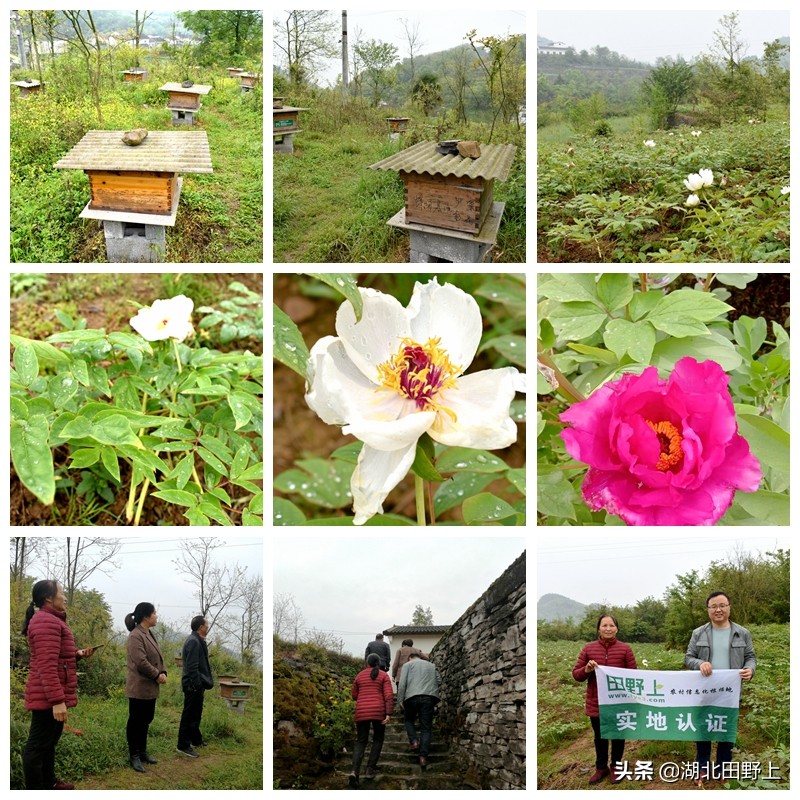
(669, 439)
(419, 372)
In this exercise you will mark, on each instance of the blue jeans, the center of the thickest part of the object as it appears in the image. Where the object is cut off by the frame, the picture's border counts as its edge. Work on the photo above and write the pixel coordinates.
(420, 706)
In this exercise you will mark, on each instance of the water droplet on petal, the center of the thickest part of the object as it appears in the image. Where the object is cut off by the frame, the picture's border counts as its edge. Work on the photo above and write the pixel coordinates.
(461, 465)
(279, 516)
(481, 458)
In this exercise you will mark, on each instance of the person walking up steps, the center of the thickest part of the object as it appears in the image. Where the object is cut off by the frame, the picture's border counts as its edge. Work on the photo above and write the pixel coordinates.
(418, 694)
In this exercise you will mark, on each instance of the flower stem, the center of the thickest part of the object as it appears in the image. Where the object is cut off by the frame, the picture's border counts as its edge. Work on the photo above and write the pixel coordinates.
(563, 382)
(177, 354)
(145, 487)
(420, 492)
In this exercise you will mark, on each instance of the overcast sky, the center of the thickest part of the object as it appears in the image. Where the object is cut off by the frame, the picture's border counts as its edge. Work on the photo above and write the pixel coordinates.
(648, 35)
(147, 573)
(440, 28)
(623, 569)
(356, 587)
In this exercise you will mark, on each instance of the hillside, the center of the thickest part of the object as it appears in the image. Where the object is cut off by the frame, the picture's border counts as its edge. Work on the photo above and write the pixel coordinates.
(556, 606)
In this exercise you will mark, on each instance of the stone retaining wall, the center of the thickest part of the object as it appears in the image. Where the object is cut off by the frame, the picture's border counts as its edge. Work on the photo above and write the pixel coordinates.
(481, 660)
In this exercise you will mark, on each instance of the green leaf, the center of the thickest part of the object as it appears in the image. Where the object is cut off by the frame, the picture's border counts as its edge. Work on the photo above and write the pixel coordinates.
(737, 279)
(26, 363)
(509, 346)
(510, 293)
(516, 477)
(713, 346)
(196, 517)
(285, 513)
(110, 462)
(183, 471)
(176, 496)
(555, 495)
(238, 404)
(423, 467)
(61, 388)
(768, 441)
(750, 333)
(90, 335)
(31, 456)
(683, 313)
(614, 290)
(637, 339)
(80, 371)
(379, 520)
(769, 508)
(462, 485)
(348, 452)
(546, 334)
(320, 482)
(568, 287)
(114, 430)
(255, 472)
(85, 457)
(458, 459)
(240, 460)
(288, 345)
(597, 353)
(256, 504)
(345, 284)
(212, 461)
(19, 409)
(213, 511)
(217, 448)
(43, 350)
(251, 519)
(485, 507)
(576, 320)
(642, 303)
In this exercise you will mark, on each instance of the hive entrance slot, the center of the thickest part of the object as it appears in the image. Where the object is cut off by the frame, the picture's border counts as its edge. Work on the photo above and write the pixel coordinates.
(134, 229)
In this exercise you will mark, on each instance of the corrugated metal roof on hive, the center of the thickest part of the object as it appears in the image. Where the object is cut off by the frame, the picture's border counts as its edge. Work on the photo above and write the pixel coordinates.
(494, 163)
(161, 151)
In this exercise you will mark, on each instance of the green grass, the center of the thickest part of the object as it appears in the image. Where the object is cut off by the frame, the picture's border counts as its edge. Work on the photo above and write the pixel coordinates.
(564, 742)
(98, 758)
(220, 216)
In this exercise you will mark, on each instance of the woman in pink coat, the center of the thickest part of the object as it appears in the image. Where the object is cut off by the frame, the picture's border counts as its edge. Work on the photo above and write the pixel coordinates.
(372, 691)
(52, 682)
(605, 651)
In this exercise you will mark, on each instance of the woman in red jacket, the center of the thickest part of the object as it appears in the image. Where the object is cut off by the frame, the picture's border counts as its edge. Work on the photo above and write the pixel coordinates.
(52, 682)
(372, 691)
(605, 651)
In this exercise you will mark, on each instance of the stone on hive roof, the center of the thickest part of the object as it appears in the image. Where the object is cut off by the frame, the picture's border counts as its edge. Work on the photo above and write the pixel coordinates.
(495, 162)
(198, 88)
(162, 151)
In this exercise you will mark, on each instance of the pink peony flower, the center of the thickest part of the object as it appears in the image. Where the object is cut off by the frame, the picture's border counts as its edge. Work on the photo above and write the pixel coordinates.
(662, 452)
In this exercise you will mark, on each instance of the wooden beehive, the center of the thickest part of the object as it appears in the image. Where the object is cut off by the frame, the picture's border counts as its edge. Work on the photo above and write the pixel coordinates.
(235, 690)
(284, 120)
(398, 124)
(249, 80)
(142, 179)
(132, 75)
(27, 87)
(184, 98)
(449, 191)
(234, 72)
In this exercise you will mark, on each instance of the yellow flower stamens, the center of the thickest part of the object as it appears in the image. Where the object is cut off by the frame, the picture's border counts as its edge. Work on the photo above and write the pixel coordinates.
(670, 441)
(419, 372)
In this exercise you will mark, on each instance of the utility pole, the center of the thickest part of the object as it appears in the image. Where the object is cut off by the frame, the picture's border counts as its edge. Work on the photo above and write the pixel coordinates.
(344, 54)
(23, 62)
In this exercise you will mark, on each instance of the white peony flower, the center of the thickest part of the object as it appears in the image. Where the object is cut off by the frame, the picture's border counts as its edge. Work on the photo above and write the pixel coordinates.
(692, 200)
(398, 373)
(649, 143)
(697, 180)
(165, 319)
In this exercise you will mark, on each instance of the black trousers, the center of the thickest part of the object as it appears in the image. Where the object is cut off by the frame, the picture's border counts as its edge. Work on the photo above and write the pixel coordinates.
(724, 755)
(189, 730)
(362, 737)
(39, 755)
(140, 715)
(601, 747)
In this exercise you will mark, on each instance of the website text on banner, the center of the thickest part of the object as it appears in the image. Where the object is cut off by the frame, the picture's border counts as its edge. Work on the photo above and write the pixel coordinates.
(673, 706)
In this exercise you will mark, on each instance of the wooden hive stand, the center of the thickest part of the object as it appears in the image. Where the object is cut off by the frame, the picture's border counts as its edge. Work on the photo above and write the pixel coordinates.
(184, 101)
(135, 190)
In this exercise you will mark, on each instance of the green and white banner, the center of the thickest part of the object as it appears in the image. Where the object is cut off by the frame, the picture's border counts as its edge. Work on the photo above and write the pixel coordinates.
(674, 706)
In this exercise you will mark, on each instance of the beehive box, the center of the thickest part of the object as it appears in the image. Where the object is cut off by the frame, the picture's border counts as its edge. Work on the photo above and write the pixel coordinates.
(284, 120)
(27, 87)
(398, 124)
(235, 690)
(142, 179)
(234, 72)
(249, 80)
(449, 191)
(184, 98)
(134, 75)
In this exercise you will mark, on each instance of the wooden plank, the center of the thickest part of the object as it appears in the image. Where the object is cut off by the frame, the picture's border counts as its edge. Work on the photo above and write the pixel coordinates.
(182, 100)
(445, 201)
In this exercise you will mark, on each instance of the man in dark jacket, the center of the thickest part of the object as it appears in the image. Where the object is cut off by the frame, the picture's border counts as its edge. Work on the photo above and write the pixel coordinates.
(196, 679)
(381, 649)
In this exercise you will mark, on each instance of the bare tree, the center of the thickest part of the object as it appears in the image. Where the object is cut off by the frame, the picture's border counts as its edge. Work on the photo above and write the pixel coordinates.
(456, 77)
(84, 555)
(287, 618)
(414, 42)
(216, 587)
(246, 625)
(325, 639)
(305, 37)
(138, 30)
(91, 51)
